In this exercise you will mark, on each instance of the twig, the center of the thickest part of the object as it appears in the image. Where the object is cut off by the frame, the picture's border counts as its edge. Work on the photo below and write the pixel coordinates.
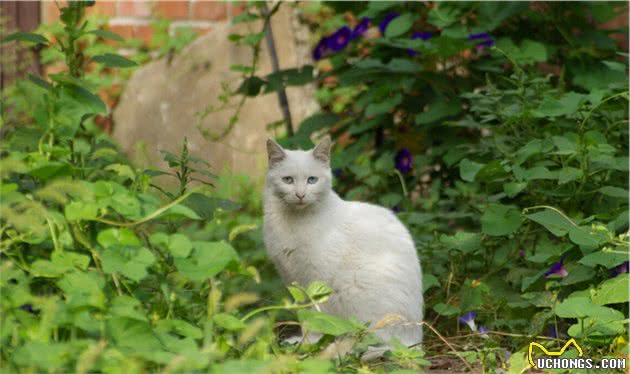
(447, 343)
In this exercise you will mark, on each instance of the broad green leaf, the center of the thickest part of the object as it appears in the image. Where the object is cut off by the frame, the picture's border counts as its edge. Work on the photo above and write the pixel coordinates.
(553, 221)
(236, 231)
(446, 310)
(586, 237)
(289, 77)
(569, 174)
(577, 273)
(399, 25)
(467, 242)
(297, 294)
(429, 281)
(578, 307)
(179, 245)
(613, 291)
(469, 169)
(128, 307)
(132, 334)
(207, 260)
(114, 61)
(180, 211)
(318, 290)
(83, 288)
(617, 192)
(566, 105)
(443, 15)
(25, 37)
(606, 258)
(500, 220)
(439, 110)
(81, 210)
(111, 238)
(512, 189)
(384, 106)
(130, 262)
(106, 35)
(315, 321)
(228, 322)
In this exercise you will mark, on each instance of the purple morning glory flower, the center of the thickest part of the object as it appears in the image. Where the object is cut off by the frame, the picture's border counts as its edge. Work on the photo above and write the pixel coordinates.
(621, 269)
(337, 172)
(321, 49)
(469, 319)
(521, 252)
(482, 331)
(557, 269)
(360, 28)
(340, 39)
(485, 40)
(482, 35)
(388, 18)
(404, 160)
(424, 35)
(552, 332)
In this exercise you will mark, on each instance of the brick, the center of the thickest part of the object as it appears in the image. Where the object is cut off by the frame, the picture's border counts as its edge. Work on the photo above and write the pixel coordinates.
(49, 11)
(202, 30)
(103, 8)
(142, 32)
(172, 9)
(209, 10)
(135, 8)
(237, 7)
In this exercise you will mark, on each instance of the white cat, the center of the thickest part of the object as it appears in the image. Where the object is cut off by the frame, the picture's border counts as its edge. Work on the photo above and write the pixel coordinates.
(360, 250)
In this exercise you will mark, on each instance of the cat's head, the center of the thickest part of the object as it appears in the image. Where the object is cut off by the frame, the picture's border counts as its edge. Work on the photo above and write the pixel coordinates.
(299, 178)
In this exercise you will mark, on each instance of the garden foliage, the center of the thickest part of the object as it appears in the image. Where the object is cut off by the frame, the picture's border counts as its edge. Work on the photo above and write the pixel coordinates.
(497, 132)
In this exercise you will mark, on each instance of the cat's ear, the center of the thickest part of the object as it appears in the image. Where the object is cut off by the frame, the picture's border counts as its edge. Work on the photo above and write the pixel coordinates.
(322, 150)
(275, 153)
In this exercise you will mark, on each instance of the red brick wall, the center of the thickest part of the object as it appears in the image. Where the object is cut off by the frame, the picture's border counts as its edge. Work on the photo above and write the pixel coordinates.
(132, 19)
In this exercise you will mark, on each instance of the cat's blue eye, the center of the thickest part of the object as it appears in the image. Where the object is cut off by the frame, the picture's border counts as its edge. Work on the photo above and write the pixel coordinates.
(287, 180)
(312, 180)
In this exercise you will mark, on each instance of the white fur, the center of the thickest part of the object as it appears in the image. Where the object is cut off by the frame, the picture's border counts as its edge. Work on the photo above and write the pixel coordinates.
(360, 250)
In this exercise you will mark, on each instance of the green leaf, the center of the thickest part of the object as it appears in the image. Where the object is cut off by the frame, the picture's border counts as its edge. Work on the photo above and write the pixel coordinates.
(318, 290)
(81, 210)
(469, 169)
(92, 103)
(384, 106)
(114, 61)
(315, 123)
(132, 334)
(179, 245)
(130, 262)
(429, 281)
(315, 321)
(443, 15)
(512, 189)
(569, 174)
(500, 220)
(467, 242)
(83, 288)
(228, 322)
(289, 77)
(578, 307)
(617, 192)
(25, 37)
(107, 35)
(297, 294)
(586, 237)
(207, 260)
(251, 86)
(128, 307)
(180, 211)
(399, 25)
(446, 310)
(568, 104)
(553, 221)
(111, 238)
(439, 110)
(577, 273)
(613, 291)
(39, 81)
(606, 258)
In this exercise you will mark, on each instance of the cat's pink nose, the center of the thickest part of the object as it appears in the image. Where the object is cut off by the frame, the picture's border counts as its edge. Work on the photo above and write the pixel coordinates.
(299, 196)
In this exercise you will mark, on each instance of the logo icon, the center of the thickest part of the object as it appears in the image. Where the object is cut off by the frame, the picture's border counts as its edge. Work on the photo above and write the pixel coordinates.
(552, 353)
